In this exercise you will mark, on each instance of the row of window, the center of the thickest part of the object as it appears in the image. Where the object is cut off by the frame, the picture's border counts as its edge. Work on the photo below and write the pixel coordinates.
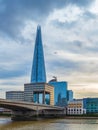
(75, 113)
(74, 109)
(92, 104)
(74, 106)
(92, 110)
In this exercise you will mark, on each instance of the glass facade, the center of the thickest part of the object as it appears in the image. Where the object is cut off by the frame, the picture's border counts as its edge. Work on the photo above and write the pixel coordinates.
(69, 95)
(15, 95)
(38, 73)
(60, 93)
(38, 97)
(47, 98)
(91, 105)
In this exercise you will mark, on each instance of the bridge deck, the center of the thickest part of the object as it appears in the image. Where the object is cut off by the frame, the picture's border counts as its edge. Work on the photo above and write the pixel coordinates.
(26, 105)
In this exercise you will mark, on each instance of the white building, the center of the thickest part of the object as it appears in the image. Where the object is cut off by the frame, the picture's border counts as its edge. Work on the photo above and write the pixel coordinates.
(15, 95)
(1, 109)
(5, 111)
(75, 107)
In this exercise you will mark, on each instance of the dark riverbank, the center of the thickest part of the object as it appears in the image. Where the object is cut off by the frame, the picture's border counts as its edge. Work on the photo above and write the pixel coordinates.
(95, 116)
(81, 117)
(5, 115)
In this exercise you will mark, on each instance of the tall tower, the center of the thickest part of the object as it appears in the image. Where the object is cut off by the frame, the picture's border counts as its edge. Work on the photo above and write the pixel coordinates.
(38, 91)
(38, 73)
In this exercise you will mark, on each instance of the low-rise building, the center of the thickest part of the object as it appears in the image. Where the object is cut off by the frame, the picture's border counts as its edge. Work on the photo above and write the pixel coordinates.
(75, 107)
(15, 95)
(91, 105)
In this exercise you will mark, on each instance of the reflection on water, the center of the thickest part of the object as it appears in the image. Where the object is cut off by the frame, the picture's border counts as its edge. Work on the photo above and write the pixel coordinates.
(49, 124)
(4, 121)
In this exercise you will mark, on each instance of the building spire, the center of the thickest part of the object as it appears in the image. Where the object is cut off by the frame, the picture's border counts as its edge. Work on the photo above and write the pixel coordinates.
(38, 73)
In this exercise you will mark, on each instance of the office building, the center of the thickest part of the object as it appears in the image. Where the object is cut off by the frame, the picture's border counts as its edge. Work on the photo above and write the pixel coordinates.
(69, 95)
(60, 92)
(15, 95)
(42, 93)
(91, 105)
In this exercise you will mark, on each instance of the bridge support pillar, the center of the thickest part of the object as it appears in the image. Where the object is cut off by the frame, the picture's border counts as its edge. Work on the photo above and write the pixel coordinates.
(24, 115)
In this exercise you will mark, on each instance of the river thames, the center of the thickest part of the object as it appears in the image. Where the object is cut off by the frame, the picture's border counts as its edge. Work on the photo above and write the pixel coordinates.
(49, 124)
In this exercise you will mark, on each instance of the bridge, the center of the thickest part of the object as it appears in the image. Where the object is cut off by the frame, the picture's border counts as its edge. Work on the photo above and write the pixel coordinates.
(30, 111)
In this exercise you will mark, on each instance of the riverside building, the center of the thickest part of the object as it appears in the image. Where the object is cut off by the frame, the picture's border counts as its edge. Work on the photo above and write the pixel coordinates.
(91, 105)
(76, 107)
(60, 92)
(15, 95)
(38, 91)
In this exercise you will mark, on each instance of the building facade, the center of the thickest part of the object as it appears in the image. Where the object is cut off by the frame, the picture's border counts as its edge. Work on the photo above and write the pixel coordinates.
(60, 92)
(75, 107)
(69, 95)
(38, 73)
(91, 105)
(15, 95)
(38, 91)
(42, 93)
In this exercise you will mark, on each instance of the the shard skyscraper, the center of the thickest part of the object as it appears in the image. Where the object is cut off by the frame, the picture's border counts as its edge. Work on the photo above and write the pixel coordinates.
(38, 73)
(38, 91)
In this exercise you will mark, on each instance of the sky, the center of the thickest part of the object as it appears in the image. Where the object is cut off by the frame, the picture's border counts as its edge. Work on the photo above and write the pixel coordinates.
(70, 41)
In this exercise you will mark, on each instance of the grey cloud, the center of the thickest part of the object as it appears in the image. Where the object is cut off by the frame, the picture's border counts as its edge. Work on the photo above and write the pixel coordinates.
(75, 46)
(19, 71)
(82, 2)
(10, 83)
(64, 66)
(88, 15)
(66, 25)
(13, 13)
(83, 48)
(6, 74)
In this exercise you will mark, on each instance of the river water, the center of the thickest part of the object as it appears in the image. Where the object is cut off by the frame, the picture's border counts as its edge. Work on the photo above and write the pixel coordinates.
(49, 124)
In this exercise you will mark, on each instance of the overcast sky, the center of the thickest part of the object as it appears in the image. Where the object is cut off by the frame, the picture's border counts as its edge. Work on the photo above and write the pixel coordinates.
(70, 40)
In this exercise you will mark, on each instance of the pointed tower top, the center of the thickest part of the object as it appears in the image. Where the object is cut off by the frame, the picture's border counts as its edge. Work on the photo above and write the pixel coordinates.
(38, 73)
(38, 27)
